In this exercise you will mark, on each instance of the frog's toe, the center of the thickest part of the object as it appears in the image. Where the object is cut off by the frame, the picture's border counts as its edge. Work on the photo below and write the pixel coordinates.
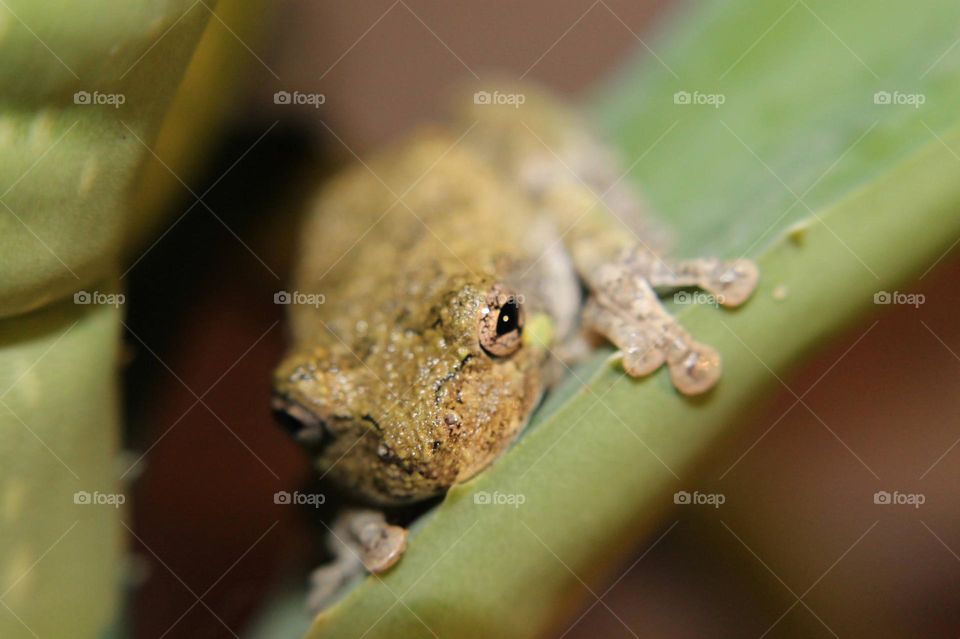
(640, 358)
(695, 369)
(366, 535)
(382, 545)
(732, 282)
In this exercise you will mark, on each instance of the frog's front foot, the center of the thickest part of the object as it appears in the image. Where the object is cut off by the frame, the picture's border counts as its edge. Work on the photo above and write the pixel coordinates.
(625, 309)
(361, 541)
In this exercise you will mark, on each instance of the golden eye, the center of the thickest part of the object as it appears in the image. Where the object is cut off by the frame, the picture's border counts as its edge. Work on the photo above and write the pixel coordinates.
(501, 323)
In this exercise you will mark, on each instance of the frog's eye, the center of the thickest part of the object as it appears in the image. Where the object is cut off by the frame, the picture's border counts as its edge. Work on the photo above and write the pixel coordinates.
(501, 323)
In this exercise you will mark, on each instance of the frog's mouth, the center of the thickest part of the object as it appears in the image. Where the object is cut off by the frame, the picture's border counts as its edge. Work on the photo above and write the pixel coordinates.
(297, 420)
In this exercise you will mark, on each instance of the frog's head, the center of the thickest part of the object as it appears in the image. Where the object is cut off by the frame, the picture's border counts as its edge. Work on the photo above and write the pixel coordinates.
(436, 381)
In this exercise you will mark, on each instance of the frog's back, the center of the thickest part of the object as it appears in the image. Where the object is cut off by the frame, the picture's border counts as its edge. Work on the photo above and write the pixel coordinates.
(428, 202)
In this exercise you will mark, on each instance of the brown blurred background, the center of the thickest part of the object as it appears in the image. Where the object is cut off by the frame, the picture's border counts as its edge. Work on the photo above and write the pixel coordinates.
(881, 412)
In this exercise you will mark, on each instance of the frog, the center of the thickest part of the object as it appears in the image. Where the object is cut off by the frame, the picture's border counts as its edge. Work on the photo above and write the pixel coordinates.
(462, 269)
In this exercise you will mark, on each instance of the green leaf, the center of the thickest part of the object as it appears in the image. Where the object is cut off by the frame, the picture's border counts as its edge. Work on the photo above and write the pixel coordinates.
(878, 188)
(67, 209)
(83, 88)
(59, 407)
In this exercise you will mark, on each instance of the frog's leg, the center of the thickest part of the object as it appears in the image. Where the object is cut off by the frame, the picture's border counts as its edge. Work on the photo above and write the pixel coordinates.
(361, 541)
(622, 273)
(624, 308)
(328, 581)
(622, 270)
(731, 282)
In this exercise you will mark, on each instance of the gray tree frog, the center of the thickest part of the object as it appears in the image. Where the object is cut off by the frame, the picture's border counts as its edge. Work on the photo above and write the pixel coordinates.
(453, 267)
